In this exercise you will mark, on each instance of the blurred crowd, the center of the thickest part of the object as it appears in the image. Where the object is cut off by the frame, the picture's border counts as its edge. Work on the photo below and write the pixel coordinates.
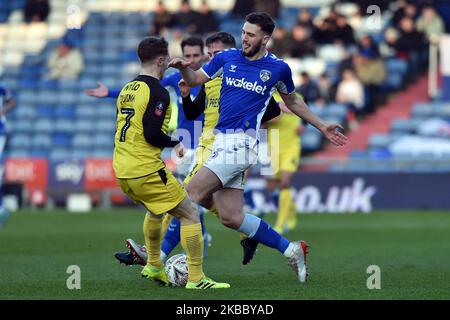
(361, 67)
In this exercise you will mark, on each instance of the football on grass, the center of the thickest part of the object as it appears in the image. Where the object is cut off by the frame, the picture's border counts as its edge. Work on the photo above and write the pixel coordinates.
(177, 270)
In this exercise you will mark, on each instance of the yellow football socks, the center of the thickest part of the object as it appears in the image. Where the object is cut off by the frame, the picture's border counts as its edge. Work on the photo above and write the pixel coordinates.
(152, 235)
(192, 243)
(165, 224)
(284, 207)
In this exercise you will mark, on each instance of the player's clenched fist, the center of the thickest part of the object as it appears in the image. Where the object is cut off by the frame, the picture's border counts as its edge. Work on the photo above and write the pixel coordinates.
(179, 150)
(179, 63)
(184, 88)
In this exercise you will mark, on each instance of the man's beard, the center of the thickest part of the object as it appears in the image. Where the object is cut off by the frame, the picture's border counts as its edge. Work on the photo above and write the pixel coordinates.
(253, 51)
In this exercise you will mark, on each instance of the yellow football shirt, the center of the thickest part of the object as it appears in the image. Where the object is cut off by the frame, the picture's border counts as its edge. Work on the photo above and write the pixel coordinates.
(140, 101)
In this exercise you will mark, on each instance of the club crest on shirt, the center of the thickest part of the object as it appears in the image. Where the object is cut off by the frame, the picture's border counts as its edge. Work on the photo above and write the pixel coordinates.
(265, 75)
(233, 68)
(159, 109)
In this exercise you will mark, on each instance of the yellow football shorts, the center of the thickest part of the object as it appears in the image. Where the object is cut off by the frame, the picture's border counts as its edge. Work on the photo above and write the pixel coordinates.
(202, 154)
(159, 192)
(285, 162)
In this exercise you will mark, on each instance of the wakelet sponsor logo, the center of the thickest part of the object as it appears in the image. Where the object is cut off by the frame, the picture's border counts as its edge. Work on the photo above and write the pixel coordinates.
(354, 198)
(247, 85)
(69, 172)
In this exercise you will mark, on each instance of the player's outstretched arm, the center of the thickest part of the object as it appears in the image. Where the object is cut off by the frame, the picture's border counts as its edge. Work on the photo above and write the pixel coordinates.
(329, 130)
(102, 91)
(192, 78)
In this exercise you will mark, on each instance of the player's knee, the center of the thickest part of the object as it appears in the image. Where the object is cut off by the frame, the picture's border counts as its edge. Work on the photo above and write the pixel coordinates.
(230, 222)
(194, 193)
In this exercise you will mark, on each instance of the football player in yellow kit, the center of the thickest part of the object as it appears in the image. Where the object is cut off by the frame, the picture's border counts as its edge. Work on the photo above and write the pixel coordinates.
(143, 114)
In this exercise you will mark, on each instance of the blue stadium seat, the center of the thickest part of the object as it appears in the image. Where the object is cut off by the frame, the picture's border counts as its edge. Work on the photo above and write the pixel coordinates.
(106, 126)
(60, 154)
(43, 125)
(102, 153)
(44, 111)
(61, 139)
(84, 125)
(104, 141)
(81, 140)
(311, 141)
(18, 153)
(422, 110)
(19, 140)
(85, 111)
(80, 153)
(23, 125)
(41, 141)
(336, 110)
(65, 112)
(24, 111)
(40, 153)
(403, 126)
(64, 125)
(394, 65)
(379, 141)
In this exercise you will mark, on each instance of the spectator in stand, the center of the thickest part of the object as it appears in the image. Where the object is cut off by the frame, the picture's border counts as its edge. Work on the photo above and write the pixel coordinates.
(405, 10)
(344, 32)
(305, 20)
(242, 8)
(65, 62)
(308, 89)
(36, 10)
(325, 32)
(206, 20)
(350, 92)
(366, 44)
(371, 71)
(281, 42)
(186, 18)
(431, 24)
(271, 7)
(326, 90)
(302, 44)
(163, 20)
(409, 45)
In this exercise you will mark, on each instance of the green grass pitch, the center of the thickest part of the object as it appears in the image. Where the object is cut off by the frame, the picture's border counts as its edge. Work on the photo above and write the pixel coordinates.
(411, 248)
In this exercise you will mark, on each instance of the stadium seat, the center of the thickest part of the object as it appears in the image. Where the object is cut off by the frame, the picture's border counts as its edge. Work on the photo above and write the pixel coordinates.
(311, 141)
(403, 126)
(45, 111)
(64, 125)
(43, 125)
(59, 154)
(379, 141)
(84, 125)
(65, 112)
(19, 140)
(62, 140)
(43, 141)
(422, 110)
(24, 111)
(104, 141)
(81, 140)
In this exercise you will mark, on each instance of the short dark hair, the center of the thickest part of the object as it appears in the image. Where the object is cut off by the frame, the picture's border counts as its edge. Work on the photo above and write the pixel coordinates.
(224, 37)
(152, 47)
(192, 42)
(263, 20)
